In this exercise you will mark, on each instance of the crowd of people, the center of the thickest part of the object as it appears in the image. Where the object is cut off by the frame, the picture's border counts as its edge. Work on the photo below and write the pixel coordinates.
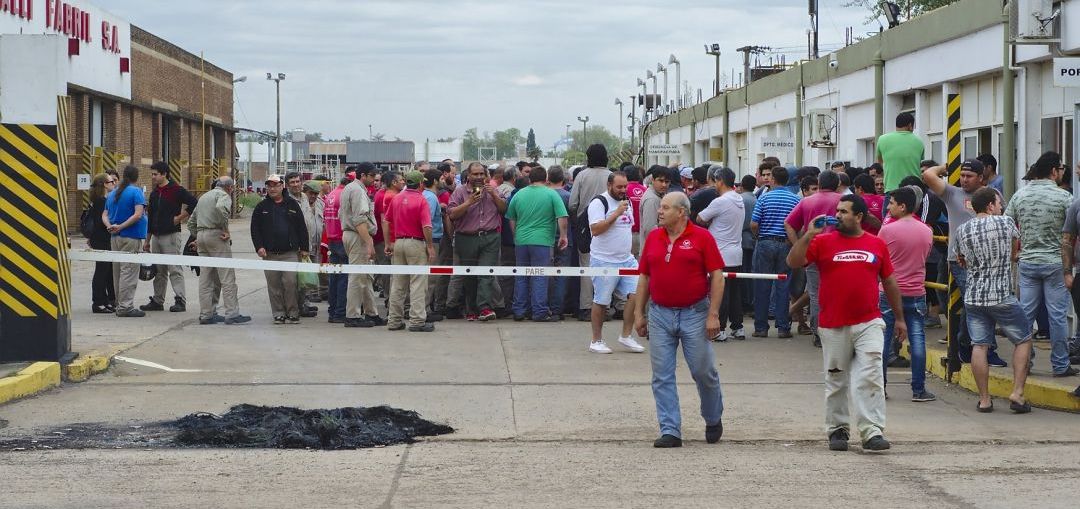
(854, 246)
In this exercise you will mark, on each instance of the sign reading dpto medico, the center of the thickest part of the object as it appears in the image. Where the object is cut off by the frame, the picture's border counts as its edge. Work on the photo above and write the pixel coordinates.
(1067, 72)
(102, 39)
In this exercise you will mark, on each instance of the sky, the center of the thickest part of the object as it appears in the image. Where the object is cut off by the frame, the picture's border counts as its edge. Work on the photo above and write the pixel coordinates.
(432, 69)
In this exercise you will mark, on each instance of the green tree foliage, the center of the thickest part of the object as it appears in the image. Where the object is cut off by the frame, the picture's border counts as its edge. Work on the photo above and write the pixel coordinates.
(597, 134)
(908, 8)
(505, 143)
(572, 157)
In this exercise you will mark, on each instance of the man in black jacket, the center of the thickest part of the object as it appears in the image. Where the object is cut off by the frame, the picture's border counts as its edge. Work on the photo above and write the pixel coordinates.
(278, 232)
(169, 206)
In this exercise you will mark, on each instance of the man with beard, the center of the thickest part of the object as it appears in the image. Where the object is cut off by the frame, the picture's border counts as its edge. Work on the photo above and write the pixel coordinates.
(611, 221)
(476, 211)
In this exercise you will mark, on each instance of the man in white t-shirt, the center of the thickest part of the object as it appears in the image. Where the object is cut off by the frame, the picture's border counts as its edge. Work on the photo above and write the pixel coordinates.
(611, 221)
(724, 217)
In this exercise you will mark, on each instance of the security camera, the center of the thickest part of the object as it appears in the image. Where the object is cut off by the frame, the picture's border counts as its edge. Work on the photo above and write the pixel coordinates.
(833, 64)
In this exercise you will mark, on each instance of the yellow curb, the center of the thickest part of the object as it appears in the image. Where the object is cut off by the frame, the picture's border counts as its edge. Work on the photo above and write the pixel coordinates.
(85, 366)
(38, 377)
(1039, 393)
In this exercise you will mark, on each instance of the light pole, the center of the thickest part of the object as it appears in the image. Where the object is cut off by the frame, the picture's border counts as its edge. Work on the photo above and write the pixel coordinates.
(644, 97)
(678, 81)
(370, 133)
(584, 130)
(632, 129)
(714, 50)
(650, 76)
(277, 134)
(618, 102)
(660, 68)
(569, 140)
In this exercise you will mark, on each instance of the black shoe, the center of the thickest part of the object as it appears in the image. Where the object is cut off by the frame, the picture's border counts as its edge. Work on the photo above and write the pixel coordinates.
(585, 315)
(336, 319)
(784, 334)
(519, 318)
(876, 443)
(427, 327)
(237, 320)
(358, 322)
(548, 318)
(714, 432)
(375, 320)
(435, 317)
(131, 313)
(454, 314)
(901, 362)
(178, 307)
(292, 320)
(101, 310)
(1068, 372)
(667, 441)
(152, 306)
(817, 340)
(212, 320)
(995, 360)
(838, 440)
(310, 312)
(1076, 392)
(399, 326)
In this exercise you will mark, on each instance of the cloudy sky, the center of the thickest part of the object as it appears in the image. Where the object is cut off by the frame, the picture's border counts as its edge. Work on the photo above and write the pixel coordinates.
(431, 69)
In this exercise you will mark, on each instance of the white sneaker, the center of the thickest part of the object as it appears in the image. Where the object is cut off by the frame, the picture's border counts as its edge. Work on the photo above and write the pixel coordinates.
(739, 333)
(599, 347)
(631, 345)
(721, 337)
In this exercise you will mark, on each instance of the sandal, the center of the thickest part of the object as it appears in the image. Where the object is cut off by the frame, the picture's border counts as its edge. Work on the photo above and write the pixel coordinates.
(984, 409)
(1020, 408)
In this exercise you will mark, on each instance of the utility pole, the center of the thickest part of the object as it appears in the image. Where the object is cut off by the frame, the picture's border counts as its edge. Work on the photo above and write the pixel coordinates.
(814, 7)
(277, 140)
(747, 51)
(714, 50)
(618, 102)
(584, 130)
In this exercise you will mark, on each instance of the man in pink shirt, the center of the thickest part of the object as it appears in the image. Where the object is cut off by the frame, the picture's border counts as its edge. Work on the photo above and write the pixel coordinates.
(824, 201)
(338, 283)
(909, 241)
(409, 242)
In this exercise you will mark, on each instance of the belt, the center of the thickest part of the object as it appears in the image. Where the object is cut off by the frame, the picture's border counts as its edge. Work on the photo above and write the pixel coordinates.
(776, 238)
(478, 234)
(411, 238)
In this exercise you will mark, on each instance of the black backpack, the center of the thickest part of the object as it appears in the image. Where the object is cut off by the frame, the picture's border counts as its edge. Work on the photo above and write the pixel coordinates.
(582, 229)
(86, 223)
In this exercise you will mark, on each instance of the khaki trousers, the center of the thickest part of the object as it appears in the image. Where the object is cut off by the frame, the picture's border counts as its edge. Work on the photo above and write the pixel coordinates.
(125, 275)
(854, 377)
(408, 252)
(360, 296)
(281, 286)
(213, 280)
(172, 244)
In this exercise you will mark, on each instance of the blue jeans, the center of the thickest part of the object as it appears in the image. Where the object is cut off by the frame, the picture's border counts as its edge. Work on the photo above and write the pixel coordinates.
(338, 284)
(915, 318)
(557, 287)
(770, 257)
(959, 275)
(1046, 284)
(667, 328)
(531, 256)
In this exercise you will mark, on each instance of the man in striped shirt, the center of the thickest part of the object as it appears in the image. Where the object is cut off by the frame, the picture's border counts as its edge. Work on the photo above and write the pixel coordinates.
(770, 255)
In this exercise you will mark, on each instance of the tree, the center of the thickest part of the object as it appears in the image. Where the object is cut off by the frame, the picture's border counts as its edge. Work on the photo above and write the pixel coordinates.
(313, 137)
(531, 149)
(908, 8)
(597, 134)
(572, 157)
(378, 137)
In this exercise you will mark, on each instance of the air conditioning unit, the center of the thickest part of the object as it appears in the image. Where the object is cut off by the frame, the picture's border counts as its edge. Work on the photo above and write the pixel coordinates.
(1034, 20)
(822, 128)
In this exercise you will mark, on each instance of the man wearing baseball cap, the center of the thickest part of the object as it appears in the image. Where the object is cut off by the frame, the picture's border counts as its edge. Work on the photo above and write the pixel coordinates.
(279, 234)
(409, 242)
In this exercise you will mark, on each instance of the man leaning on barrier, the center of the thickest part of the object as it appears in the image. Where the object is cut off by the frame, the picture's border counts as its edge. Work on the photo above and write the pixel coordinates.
(210, 225)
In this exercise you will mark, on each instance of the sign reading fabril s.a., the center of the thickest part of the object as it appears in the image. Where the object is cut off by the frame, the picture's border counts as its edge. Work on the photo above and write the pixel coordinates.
(65, 18)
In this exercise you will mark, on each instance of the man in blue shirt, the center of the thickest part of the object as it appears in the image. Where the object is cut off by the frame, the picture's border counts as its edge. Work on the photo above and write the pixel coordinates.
(125, 220)
(770, 255)
(436, 294)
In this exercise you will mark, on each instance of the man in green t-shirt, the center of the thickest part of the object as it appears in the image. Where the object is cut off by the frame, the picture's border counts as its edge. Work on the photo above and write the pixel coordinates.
(900, 152)
(533, 213)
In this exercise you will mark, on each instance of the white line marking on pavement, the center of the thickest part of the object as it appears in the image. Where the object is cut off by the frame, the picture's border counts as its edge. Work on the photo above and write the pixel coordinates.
(155, 365)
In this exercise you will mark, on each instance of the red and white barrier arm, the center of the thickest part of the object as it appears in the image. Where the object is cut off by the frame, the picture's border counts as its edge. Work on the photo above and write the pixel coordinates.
(334, 268)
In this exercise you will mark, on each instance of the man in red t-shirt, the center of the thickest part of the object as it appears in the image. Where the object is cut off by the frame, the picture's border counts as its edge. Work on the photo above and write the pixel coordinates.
(682, 280)
(409, 242)
(851, 263)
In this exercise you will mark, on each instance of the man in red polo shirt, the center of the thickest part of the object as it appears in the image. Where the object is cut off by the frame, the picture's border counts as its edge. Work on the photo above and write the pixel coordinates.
(681, 274)
(408, 242)
(851, 263)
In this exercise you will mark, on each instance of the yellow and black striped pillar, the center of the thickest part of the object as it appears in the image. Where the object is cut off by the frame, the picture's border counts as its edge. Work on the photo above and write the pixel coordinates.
(955, 308)
(110, 160)
(174, 170)
(35, 279)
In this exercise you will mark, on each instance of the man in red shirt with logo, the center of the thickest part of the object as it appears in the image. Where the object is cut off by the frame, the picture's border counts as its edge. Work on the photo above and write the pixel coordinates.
(851, 263)
(681, 277)
(408, 242)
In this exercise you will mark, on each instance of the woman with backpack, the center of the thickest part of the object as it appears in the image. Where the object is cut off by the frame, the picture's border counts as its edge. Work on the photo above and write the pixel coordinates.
(97, 237)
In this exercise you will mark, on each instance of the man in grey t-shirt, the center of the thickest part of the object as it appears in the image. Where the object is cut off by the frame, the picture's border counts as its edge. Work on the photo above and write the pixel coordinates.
(958, 205)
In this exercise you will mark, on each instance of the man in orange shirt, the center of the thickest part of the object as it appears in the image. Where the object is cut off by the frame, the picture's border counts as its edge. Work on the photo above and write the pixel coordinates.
(408, 240)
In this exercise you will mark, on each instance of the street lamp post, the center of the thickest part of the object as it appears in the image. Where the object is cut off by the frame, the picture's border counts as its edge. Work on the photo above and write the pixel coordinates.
(277, 139)
(714, 50)
(678, 81)
(644, 97)
(618, 102)
(584, 130)
(650, 76)
(664, 98)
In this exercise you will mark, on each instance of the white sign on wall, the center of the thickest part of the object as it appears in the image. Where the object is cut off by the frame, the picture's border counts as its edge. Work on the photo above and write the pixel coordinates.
(102, 39)
(774, 143)
(1067, 72)
(83, 183)
(664, 149)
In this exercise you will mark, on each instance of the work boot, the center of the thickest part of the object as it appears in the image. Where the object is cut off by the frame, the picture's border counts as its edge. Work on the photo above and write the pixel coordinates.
(179, 307)
(838, 440)
(152, 306)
